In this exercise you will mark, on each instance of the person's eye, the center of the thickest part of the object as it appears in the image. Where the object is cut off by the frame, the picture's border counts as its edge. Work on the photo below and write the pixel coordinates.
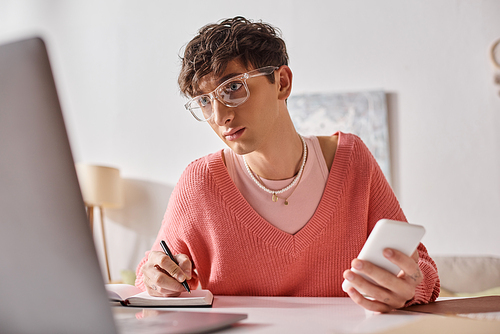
(204, 101)
(233, 86)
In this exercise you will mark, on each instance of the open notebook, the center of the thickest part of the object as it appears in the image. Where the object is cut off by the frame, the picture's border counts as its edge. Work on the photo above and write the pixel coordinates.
(50, 276)
(129, 295)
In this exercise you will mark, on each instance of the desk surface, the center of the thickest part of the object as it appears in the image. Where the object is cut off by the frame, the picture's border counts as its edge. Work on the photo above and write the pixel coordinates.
(299, 315)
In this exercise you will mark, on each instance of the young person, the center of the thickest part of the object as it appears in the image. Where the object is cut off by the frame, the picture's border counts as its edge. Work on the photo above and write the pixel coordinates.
(275, 213)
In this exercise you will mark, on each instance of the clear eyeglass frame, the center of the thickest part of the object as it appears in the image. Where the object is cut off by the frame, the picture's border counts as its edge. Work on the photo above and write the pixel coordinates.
(231, 93)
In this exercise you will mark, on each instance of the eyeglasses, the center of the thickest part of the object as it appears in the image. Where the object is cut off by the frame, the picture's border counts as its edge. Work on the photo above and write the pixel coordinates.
(231, 93)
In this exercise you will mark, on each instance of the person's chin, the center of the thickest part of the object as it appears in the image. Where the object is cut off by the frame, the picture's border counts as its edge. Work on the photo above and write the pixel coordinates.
(238, 147)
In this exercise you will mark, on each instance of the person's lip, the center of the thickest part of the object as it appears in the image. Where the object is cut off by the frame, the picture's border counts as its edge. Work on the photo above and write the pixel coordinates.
(233, 134)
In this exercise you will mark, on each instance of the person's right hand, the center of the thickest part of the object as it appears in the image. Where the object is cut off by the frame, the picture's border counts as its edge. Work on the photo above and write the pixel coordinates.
(162, 277)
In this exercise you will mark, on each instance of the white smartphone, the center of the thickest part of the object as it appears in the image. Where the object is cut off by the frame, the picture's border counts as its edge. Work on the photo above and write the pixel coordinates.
(387, 233)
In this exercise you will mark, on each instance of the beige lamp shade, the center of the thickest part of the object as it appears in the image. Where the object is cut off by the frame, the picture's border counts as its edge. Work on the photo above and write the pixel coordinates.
(495, 53)
(100, 185)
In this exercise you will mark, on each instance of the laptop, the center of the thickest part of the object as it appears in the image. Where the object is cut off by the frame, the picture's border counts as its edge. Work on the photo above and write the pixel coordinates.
(50, 276)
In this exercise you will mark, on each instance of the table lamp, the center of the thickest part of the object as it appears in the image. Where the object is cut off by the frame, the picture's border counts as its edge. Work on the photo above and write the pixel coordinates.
(102, 188)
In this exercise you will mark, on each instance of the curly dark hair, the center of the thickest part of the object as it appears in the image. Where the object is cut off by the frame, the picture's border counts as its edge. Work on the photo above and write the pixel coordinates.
(255, 44)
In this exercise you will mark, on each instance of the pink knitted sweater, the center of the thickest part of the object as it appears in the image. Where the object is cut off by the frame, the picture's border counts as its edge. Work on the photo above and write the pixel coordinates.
(236, 252)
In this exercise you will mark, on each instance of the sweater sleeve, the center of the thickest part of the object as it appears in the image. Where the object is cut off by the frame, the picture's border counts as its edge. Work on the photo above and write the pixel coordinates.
(428, 290)
(172, 230)
(384, 204)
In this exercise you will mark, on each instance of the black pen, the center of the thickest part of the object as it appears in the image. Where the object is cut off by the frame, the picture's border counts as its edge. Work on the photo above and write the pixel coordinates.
(169, 253)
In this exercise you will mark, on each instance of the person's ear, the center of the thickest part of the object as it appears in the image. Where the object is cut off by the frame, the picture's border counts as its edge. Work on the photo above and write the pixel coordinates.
(285, 82)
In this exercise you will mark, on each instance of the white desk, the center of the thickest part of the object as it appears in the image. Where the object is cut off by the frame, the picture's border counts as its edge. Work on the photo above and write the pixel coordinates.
(299, 315)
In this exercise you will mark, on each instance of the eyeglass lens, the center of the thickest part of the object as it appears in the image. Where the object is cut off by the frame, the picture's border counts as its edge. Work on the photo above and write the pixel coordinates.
(231, 94)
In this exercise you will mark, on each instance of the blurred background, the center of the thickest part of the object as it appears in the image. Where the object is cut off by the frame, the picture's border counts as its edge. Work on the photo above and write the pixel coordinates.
(116, 65)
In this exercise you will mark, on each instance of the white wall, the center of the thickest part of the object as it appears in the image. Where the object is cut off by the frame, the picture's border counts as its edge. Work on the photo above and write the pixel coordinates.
(116, 65)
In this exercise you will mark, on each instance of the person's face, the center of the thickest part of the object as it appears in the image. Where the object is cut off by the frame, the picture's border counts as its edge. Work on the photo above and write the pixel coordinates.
(244, 128)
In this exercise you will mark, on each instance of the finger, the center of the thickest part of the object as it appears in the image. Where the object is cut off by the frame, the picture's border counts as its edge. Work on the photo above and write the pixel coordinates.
(415, 256)
(407, 264)
(154, 289)
(375, 292)
(185, 264)
(167, 285)
(161, 284)
(381, 276)
(155, 257)
(371, 305)
(388, 289)
(370, 289)
(171, 268)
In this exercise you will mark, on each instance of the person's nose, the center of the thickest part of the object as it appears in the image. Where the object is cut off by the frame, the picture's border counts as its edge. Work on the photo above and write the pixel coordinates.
(221, 114)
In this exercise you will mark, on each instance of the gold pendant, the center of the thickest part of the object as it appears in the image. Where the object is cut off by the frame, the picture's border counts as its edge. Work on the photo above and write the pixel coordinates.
(275, 198)
(286, 201)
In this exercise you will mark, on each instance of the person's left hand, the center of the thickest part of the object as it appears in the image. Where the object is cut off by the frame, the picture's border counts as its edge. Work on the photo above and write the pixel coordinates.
(393, 291)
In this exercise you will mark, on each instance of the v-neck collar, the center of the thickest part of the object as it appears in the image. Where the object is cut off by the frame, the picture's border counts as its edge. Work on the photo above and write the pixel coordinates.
(293, 244)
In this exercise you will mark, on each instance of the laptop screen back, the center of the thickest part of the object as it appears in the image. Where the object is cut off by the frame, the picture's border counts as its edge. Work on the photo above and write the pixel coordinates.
(49, 272)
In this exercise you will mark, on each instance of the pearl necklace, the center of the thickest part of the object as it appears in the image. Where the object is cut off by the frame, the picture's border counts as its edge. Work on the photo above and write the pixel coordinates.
(296, 179)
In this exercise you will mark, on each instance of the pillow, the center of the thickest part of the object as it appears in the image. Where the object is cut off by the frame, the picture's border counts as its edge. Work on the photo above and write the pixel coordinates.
(468, 274)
